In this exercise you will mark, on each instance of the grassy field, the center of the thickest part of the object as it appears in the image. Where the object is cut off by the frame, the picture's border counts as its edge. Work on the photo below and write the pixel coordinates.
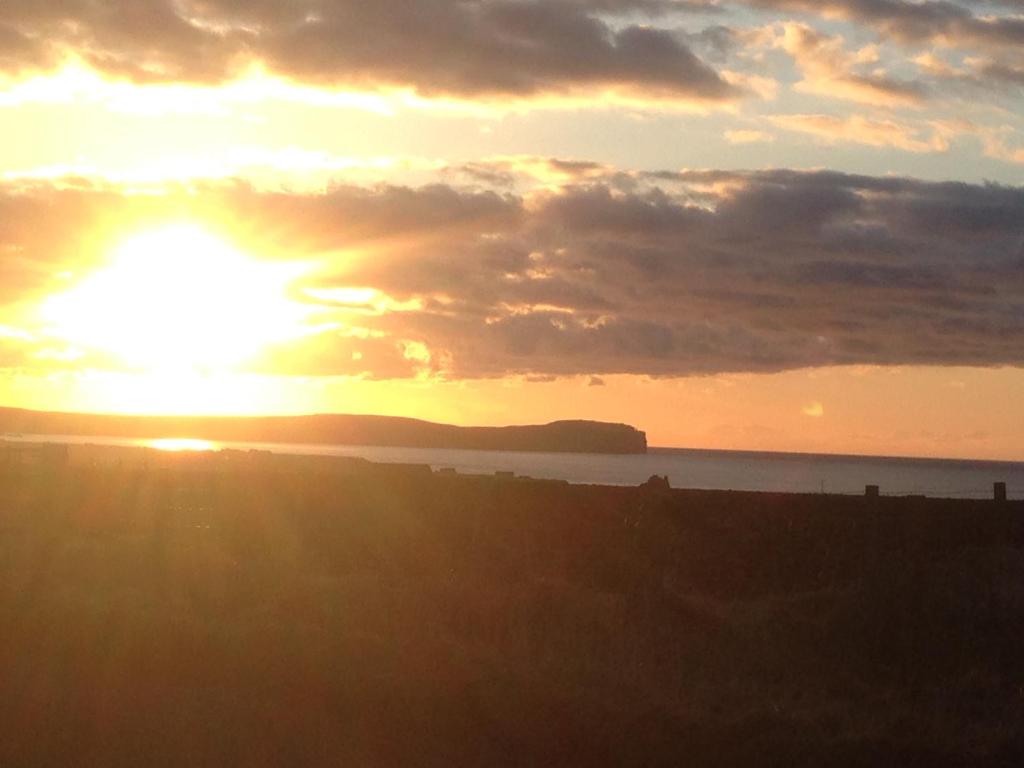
(304, 617)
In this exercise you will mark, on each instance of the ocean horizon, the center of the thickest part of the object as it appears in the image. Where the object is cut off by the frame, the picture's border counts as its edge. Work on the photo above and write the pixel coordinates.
(691, 468)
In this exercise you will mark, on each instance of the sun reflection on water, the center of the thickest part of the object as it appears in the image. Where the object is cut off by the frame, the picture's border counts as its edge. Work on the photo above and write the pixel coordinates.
(179, 444)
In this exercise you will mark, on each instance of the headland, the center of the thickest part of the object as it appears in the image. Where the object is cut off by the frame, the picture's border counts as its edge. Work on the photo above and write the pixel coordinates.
(337, 429)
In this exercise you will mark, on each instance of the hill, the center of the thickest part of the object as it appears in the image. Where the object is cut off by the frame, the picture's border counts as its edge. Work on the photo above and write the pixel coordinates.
(337, 429)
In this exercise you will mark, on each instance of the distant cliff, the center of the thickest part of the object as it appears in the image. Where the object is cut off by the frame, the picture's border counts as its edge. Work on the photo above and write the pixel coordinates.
(559, 436)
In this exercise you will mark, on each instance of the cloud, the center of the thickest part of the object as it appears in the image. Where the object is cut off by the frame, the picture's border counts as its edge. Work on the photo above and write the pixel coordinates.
(392, 54)
(748, 137)
(976, 75)
(830, 70)
(336, 352)
(914, 21)
(16, 47)
(858, 129)
(659, 274)
(506, 171)
(471, 49)
(963, 50)
(997, 144)
(366, 215)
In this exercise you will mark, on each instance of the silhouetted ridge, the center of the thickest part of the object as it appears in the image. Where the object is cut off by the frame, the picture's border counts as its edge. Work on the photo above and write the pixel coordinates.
(558, 436)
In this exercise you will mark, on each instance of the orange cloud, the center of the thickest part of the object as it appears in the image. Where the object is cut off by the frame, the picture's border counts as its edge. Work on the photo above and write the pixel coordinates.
(830, 70)
(859, 129)
(746, 136)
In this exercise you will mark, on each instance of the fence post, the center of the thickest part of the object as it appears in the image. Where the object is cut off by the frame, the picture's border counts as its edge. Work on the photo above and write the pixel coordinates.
(999, 491)
(871, 491)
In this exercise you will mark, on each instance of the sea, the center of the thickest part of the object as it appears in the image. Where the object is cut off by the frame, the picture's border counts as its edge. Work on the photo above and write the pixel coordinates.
(685, 468)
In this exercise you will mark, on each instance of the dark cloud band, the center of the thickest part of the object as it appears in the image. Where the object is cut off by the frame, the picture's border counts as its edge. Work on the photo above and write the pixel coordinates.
(466, 48)
(666, 274)
(911, 20)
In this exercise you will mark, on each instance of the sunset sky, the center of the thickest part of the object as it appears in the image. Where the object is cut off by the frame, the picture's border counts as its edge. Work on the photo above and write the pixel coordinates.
(761, 224)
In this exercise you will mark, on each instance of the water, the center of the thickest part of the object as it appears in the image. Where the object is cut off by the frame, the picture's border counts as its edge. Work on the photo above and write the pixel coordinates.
(720, 470)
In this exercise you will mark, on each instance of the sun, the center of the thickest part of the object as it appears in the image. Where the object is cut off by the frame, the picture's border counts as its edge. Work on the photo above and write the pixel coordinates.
(178, 298)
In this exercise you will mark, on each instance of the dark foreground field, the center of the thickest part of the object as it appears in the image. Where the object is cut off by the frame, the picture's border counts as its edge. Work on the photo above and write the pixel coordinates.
(302, 617)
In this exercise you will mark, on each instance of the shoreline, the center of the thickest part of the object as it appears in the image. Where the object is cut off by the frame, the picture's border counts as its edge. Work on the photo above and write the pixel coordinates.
(85, 450)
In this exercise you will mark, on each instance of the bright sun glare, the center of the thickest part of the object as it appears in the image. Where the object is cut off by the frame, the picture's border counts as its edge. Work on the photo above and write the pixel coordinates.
(178, 298)
(182, 445)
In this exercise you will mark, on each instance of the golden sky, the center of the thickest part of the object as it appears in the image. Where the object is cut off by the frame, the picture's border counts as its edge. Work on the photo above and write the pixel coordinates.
(763, 224)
